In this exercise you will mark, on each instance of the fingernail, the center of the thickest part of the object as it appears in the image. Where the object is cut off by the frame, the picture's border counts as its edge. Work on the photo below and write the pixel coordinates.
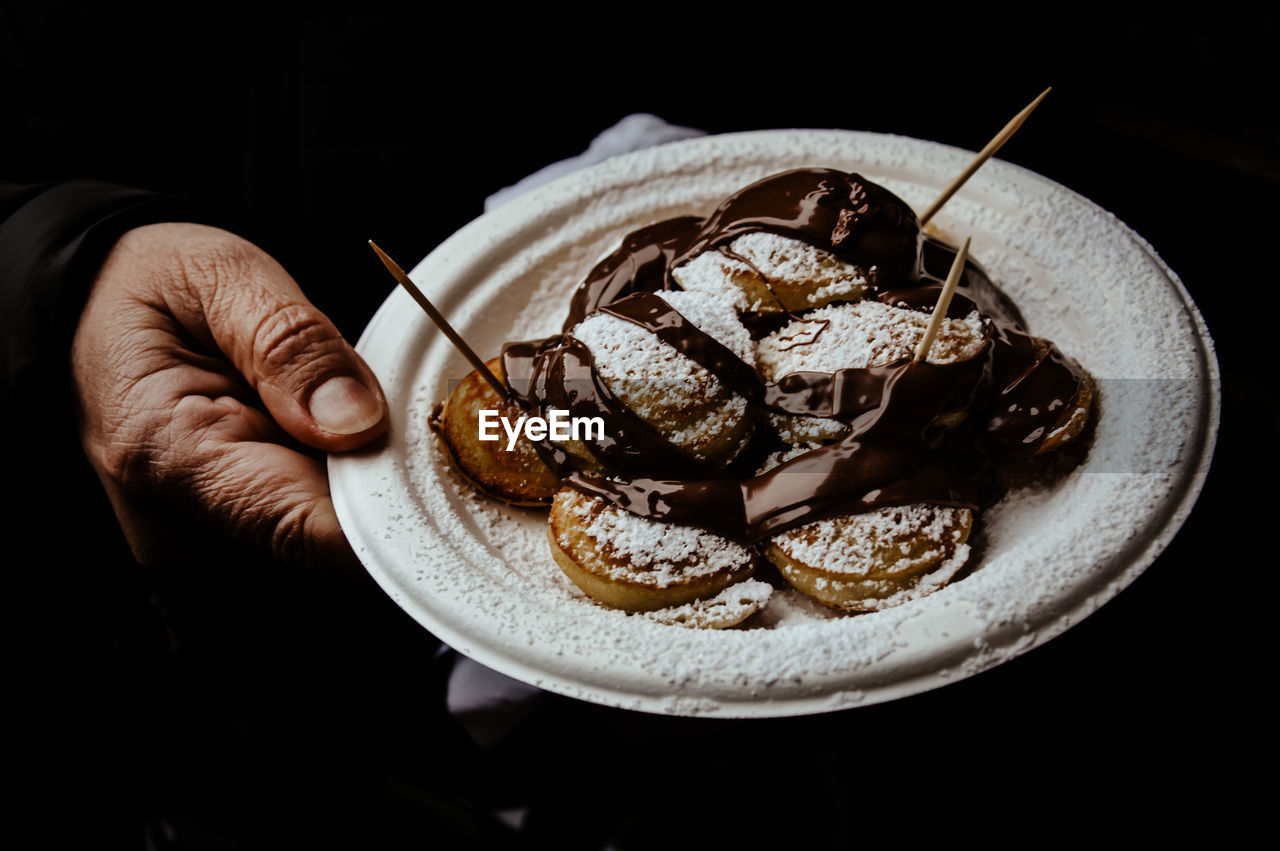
(343, 405)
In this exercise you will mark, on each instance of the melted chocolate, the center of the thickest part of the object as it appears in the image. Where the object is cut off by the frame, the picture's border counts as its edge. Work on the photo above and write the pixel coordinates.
(1013, 390)
(882, 461)
(858, 221)
(641, 264)
(660, 319)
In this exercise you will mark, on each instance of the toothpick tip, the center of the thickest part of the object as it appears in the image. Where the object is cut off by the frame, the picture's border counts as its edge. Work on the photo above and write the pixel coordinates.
(443, 324)
(392, 266)
(985, 154)
(1039, 98)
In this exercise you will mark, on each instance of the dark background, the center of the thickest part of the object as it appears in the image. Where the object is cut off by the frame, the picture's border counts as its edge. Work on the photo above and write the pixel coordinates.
(310, 130)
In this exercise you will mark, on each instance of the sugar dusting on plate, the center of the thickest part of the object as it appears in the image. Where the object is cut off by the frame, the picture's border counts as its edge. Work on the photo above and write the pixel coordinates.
(480, 575)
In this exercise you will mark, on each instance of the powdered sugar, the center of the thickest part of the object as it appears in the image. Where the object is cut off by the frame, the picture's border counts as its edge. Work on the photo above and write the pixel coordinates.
(657, 554)
(715, 319)
(479, 574)
(749, 269)
(879, 595)
(860, 545)
(866, 333)
(624, 351)
(731, 606)
(799, 430)
(784, 260)
(725, 279)
(776, 458)
(658, 383)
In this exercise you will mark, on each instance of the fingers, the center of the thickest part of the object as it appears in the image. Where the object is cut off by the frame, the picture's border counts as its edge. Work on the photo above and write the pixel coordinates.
(309, 378)
(273, 498)
(183, 325)
(211, 463)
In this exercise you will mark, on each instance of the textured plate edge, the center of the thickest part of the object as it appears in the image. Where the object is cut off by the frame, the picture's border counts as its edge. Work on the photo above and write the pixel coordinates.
(1164, 529)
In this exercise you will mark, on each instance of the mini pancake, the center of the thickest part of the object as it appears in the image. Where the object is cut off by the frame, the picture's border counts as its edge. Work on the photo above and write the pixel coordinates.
(874, 560)
(870, 561)
(1063, 446)
(1071, 425)
(863, 334)
(856, 336)
(518, 476)
(769, 273)
(682, 400)
(639, 565)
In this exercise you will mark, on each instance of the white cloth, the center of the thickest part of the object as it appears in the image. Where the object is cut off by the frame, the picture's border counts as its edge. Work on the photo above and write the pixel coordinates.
(490, 705)
(636, 131)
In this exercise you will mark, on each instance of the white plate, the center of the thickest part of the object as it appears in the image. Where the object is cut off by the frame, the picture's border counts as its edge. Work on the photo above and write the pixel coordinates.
(480, 577)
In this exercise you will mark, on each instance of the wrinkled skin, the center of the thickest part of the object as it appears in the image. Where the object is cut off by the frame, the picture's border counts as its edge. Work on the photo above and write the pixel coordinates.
(203, 374)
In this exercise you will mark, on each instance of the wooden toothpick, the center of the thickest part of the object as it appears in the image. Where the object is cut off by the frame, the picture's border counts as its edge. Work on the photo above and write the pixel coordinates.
(983, 155)
(944, 301)
(441, 323)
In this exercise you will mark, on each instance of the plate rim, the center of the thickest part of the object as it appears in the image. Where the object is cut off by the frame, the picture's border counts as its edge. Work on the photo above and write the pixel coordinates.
(1163, 527)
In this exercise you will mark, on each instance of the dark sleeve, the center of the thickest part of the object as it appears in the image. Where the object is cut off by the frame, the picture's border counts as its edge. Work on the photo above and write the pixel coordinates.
(53, 239)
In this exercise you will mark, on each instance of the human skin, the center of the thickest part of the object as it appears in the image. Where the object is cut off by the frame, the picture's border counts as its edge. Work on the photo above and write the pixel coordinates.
(202, 374)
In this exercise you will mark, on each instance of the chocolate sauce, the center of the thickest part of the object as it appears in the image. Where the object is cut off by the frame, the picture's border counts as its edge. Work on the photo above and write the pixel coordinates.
(896, 451)
(883, 461)
(860, 222)
(660, 319)
(856, 220)
(643, 263)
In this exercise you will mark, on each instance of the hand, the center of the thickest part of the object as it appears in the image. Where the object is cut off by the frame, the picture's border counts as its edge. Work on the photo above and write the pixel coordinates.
(198, 364)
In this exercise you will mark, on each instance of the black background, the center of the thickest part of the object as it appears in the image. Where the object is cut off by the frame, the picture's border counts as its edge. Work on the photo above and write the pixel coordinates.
(310, 129)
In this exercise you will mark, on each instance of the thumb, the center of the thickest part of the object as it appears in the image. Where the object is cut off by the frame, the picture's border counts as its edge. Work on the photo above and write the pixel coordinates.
(310, 379)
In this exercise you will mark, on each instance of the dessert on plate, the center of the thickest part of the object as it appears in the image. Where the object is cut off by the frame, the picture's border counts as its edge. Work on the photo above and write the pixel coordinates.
(765, 418)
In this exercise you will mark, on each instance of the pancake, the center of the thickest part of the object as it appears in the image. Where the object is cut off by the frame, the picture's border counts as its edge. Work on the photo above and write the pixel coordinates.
(768, 273)
(518, 476)
(681, 399)
(874, 560)
(640, 565)
(851, 336)
(839, 263)
(1075, 419)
